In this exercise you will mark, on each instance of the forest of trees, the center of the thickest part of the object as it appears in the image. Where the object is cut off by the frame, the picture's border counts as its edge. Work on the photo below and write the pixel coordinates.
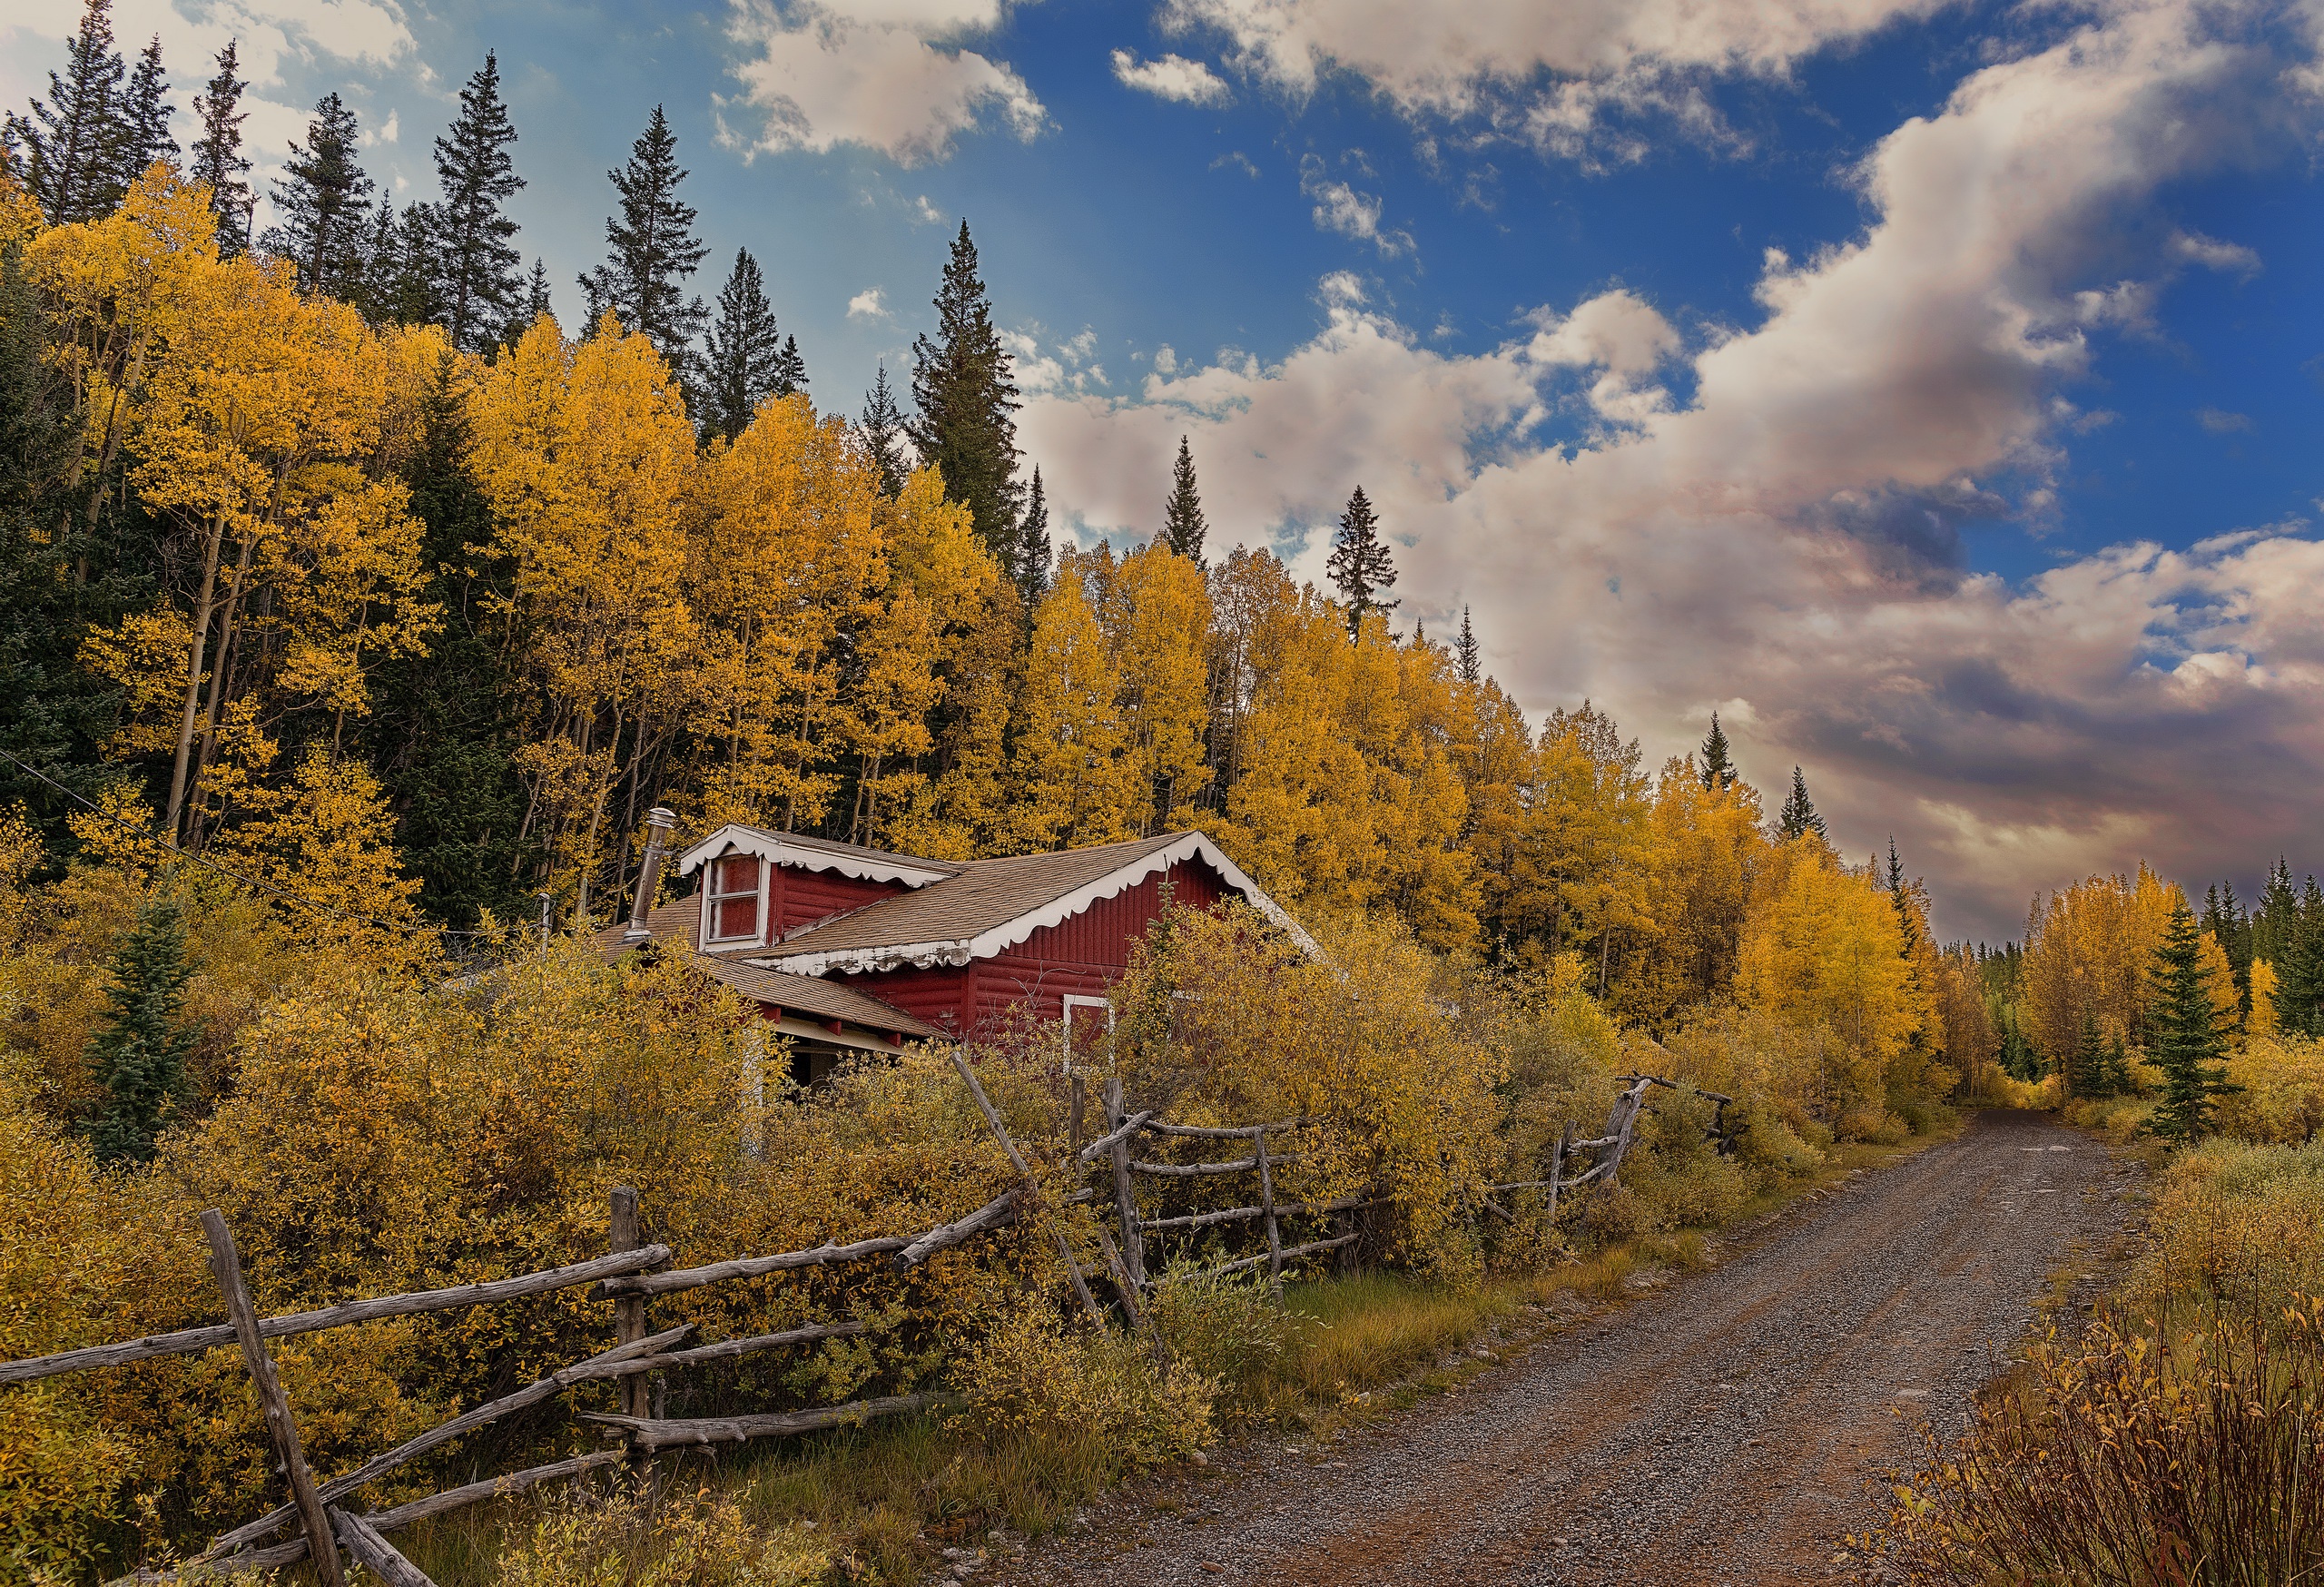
(330, 541)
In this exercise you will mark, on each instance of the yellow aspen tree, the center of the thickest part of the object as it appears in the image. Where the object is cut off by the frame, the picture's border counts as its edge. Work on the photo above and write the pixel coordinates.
(1822, 951)
(1424, 872)
(1074, 779)
(1157, 621)
(2088, 952)
(2261, 1022)
(2218, 982)
(1300, 815)
(963, 811)
(585, 455)
(327, 844)
(1254, 603)
(787, 565)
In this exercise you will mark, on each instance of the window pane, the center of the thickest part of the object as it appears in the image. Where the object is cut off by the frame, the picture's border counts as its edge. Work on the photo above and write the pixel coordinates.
(738, 873)
(737, 917)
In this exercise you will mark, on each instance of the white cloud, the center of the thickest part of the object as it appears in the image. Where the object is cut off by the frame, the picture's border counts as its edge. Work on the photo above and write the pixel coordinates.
(2231, 258)
(2218, 421)
(1802, 511)
(1171, 77)
(1604, 58)
(886, 75)
(868, 304)
(1342, 209)
(927, 212)
(1235, 160)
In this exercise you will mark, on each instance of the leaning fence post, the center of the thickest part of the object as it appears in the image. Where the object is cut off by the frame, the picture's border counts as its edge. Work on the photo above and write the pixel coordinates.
(1557, 1173)
(629, 1310)
(281, 1426)
(1125, 1198)
(1017, 1161)
(1267, 1210)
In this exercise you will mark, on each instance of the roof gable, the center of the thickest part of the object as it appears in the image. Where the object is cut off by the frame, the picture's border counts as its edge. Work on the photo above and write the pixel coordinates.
(816, 855)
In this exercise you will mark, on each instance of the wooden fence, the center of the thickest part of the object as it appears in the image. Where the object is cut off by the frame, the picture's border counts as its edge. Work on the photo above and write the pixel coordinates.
(320, 1527)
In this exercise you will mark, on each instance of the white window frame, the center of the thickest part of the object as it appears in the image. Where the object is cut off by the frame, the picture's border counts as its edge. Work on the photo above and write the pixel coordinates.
(711, 898)
(1079, 1000)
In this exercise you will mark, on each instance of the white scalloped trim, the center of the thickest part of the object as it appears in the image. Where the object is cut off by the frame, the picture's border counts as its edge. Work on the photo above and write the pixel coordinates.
(1009, 933)
(769, 846)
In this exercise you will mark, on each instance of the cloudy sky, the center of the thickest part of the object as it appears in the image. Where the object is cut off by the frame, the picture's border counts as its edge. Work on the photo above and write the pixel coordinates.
(1935, 390)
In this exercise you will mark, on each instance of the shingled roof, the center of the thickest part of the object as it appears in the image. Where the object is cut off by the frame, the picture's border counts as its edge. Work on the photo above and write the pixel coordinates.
(993, 904)
(822, 999)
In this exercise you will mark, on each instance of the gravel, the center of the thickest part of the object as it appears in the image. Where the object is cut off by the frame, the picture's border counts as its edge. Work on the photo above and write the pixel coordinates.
(1731, 1426)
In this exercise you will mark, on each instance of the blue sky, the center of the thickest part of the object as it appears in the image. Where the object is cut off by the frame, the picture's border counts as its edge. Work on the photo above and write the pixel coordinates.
(1930, 388)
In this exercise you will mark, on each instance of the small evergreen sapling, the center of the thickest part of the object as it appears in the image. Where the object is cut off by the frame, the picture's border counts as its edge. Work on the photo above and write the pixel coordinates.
(2186, 1044)
(1798, 815)
(140, 1055)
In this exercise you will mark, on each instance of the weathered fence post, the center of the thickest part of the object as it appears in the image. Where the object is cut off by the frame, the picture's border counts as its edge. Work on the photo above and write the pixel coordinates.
(1017, 1161)
(376, 1554)
(1557, 1172)
(1125, 1198)
(281, 1426)
(1266, 1211)
(629, 1310)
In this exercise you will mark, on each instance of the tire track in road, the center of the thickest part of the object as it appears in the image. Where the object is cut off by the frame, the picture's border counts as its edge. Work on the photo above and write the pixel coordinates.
(1726, 1429)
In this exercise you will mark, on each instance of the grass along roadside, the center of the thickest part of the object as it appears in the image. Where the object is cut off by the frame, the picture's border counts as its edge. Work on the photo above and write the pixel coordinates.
(887, 1503)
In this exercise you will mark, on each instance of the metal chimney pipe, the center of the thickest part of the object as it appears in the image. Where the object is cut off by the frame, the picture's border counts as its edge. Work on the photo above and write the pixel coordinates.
(658, 823)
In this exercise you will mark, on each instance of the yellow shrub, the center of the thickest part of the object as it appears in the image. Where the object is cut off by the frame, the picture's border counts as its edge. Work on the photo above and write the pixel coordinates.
(2238, 1223)
(1027, 1378)
(2282, 1095)
(628, 1538)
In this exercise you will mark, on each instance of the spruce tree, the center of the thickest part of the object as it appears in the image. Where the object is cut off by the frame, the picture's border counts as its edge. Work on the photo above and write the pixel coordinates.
(1030, 566)
(475, 280)
(1798, 816)
(217, 159)
(1900, 894)
(2085, 1067)
(742, 363)
(536, 303)
(138, 1055)
(1360, 567)
(1465, 653)
(325, 199)
(964, 388)
(2299, 979)
(2185, 1042)
(74, 141)
(653, 250)
(1182, 528)
(448, 719)
(1719, 772)
(882, 428)
(146, 135)
(2276, 921)
(790, 370)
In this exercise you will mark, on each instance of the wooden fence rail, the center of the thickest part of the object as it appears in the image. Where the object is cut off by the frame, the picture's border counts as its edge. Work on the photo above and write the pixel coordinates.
(633, 1272)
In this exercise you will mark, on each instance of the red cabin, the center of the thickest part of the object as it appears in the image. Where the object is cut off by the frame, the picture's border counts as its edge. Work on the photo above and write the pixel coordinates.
(845, 947)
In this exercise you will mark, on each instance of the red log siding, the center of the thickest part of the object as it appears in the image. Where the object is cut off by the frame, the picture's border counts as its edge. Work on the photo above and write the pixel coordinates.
(801, 896)
(1084, 955)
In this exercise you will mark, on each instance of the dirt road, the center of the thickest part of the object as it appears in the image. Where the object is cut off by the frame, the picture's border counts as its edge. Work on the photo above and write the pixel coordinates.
(1723, 1430)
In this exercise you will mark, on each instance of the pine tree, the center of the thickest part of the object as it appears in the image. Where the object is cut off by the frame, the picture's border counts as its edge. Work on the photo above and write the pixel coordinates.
(1900, 894)
(2185, 1042)
(1465, 653)
(1798, 815)
(474, 280)
(1360, 567)
(654, 251)
(1719, 772)
(1182, 528)
(1030, 565)
(882, 428)
(218, 162)
(964, 388)
(325, 198)
(2276, 921)
(743, 365)
(398, 266)
(2085, 1068)
(74, 141)
(536, 303)
(146, 135)
(791, 370)
(2299, 980)
(139, 1056)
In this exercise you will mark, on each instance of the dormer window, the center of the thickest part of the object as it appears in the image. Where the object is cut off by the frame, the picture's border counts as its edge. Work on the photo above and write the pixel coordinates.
(734, 898)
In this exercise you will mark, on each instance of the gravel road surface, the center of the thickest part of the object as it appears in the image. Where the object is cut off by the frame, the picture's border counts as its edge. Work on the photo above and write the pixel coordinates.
(1727, 1428)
